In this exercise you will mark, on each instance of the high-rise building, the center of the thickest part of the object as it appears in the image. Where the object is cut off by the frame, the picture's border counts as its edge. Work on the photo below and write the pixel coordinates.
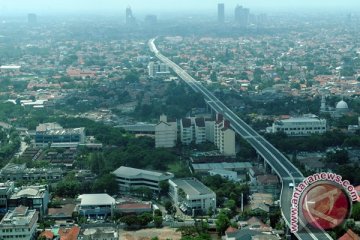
(151, 20)
(242, 16)
(221, 12)
(157, 69)
(32, 18)
(129, 18)
(165, 133)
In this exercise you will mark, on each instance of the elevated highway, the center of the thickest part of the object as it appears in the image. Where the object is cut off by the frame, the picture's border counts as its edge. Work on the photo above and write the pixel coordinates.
(286, 171)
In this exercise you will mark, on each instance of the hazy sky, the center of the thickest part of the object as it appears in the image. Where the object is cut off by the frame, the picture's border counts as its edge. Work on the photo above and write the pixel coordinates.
(158, 6)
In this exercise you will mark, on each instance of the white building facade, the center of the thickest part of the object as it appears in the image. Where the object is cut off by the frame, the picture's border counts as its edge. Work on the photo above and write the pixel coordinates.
(165, 133)
(96, 205)
(191, 195)
(186, 131)
(19, 224)
(132, 178)
(224, 136)
(157, 69)
(300, 126)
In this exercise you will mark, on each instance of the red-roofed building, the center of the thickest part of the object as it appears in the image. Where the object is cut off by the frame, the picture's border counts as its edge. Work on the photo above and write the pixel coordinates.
(47, 234)
(69, 233)
(350, 235)
(230, 229)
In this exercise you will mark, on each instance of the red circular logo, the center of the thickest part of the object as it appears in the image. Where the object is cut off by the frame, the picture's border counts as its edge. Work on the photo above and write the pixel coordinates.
(325, 205)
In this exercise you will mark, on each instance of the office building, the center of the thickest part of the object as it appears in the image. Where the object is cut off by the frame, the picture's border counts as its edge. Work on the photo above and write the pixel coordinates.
(239, 167)
(129, 18)
(19, 172)
(54, 134)
(165, 133)
(132, 178)
(32, 18)
(96, 205)
(158, 69)
(192, 196)
(299, 126)
(19, 223)
(221, 12)
(150, 20)
(34, 197)
(242, 16)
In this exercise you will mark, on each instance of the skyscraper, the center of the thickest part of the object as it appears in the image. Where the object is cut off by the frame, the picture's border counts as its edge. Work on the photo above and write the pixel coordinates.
(242, 16)
(221, 13)
(129, 18)
(32, 18)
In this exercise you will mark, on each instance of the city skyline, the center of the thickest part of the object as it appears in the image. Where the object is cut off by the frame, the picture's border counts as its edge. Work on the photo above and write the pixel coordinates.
(160, 6)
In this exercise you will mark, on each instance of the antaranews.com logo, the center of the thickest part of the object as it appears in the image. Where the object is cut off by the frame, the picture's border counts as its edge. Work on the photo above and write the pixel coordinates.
(322, 200)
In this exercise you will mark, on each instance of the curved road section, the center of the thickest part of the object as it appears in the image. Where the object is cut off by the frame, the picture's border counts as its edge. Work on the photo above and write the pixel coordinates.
(286, 171)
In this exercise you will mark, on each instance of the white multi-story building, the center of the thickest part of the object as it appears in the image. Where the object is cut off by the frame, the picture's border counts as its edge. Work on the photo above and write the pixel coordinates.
(96, 205)
(299, 126)
(34, 197)
(54, 134)
(200, 130)
(19, 224)
(165, 133)
(209, 130)
(186, 131)
(227, 142)
(157, 69)
(192, 130)
(191, 195)
(132, 178)
(224, 137)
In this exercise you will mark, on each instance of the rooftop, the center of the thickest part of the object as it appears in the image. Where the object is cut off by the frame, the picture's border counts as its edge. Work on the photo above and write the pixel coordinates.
(186, 122)
(30, 192)
(96, 199)
(69, 233)
(139, 127)
(200, 122)
(134, 172)
(192, 186)
(20, 216)
(10, 67)
(300, 119)
(223, 165)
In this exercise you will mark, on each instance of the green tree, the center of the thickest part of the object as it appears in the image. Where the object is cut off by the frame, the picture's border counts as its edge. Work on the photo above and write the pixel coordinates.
(145, 218)
(158, 221)
(231, 204)
(164, 187)
(222, 223)
(157, 212)
(106, 183)
(170, 208)
(130, 220)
